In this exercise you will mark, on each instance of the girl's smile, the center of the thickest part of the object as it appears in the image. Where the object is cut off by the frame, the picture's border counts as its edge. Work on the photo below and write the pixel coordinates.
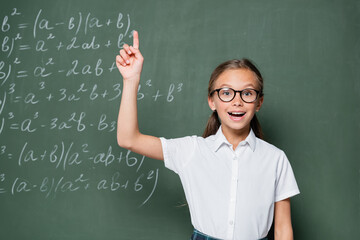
(236, 116)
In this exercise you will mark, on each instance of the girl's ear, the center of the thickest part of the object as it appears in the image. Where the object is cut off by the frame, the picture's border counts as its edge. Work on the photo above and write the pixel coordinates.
(259, 104)
(211, 104)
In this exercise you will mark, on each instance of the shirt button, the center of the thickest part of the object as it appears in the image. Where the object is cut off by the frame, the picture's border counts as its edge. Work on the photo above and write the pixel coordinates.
(231, 222)
(232, 199)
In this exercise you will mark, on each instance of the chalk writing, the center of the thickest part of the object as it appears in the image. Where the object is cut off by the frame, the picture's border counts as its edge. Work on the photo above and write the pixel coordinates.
(60, 87)
(66, 156)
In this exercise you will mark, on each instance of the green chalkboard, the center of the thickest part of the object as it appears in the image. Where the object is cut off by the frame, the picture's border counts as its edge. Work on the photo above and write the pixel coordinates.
(62, 175)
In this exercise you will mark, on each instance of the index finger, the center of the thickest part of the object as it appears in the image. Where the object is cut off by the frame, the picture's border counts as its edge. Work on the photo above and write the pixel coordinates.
(136, 40)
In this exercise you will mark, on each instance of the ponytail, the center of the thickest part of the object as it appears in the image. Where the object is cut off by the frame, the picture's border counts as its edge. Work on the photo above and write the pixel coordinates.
(256, 127)
(212, 125)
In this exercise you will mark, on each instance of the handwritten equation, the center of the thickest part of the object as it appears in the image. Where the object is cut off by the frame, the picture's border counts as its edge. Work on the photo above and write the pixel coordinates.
(57, 81)
(65, 156)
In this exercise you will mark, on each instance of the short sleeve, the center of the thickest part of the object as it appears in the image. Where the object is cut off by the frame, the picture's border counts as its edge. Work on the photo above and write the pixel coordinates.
(286, 185)
(177, 152)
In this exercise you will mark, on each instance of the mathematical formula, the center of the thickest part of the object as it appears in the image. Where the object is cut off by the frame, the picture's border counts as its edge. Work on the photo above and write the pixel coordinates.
(56, 78)
(51, 186)
(63, 156)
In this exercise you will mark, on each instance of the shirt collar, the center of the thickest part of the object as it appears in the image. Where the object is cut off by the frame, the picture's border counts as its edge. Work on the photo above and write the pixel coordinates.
(220, 140)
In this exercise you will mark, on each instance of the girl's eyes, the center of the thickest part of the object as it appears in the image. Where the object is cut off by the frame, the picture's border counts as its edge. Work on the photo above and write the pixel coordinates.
(247, 93)
(226, 93)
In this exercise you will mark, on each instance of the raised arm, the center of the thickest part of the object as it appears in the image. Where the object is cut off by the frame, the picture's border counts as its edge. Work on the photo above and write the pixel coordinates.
(129, 63)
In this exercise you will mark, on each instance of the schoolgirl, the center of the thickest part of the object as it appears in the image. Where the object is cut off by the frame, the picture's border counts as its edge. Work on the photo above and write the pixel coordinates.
(235, 183)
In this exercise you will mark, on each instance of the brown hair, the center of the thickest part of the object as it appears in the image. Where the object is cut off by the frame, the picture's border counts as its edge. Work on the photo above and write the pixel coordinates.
(213, 123)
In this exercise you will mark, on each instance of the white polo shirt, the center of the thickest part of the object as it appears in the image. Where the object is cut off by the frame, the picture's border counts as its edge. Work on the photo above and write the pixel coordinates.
(230, 194)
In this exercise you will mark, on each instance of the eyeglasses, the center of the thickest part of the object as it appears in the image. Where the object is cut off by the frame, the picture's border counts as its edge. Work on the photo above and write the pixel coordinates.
(248, 95)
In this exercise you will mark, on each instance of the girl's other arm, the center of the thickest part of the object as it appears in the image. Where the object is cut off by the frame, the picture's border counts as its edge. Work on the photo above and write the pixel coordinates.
(283, 227)
(129, 63)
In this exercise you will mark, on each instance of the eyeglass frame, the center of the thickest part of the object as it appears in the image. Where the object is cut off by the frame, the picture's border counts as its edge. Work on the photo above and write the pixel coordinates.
(236, 91)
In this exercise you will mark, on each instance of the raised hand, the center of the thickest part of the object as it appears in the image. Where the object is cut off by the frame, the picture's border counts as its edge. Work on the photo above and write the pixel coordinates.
(130, 60)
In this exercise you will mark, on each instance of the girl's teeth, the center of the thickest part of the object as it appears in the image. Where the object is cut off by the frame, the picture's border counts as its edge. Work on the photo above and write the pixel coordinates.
(237, 114)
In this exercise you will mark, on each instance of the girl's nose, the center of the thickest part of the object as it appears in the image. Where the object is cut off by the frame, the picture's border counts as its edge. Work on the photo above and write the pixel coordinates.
(237, 101)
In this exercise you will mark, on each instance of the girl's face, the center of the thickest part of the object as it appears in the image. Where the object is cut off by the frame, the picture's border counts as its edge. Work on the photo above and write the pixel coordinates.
(235, 116)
